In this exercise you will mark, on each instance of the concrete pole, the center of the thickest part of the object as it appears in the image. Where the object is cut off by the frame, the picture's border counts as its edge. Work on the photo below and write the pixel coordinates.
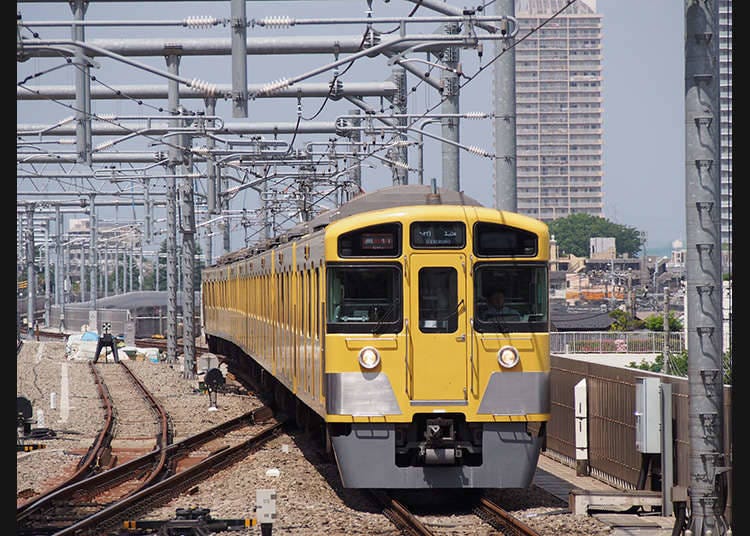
(450, 131)
(226, 244)
(187, 226)
(356, 172)
(703, 270)
(30, 271)
(93, 253)
(59, 262)
(131, 264)
(106, 270)
(47, 287)
(401, 175)
(504, 91)
(211, 186)
(147, 212)
(140, 264)
(117, 266)
(212, 200)
(66, 284)
(239, 58)
(82, 274)
(173, 63)
(267, 213)
(83, 86)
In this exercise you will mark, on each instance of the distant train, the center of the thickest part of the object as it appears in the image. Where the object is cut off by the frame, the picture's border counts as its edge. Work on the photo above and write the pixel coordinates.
(375, 317)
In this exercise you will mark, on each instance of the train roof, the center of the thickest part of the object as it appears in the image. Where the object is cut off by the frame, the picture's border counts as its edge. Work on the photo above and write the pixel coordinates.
(390, 196)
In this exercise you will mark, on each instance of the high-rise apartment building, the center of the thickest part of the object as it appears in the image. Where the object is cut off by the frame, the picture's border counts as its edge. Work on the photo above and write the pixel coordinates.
(559, 110)
(725, 118)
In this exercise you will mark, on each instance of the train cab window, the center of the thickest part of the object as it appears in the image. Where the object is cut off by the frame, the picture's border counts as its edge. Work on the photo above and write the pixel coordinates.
(494, 240)
(526, 297)
(364, 298)
(438, 300)
(375, 241)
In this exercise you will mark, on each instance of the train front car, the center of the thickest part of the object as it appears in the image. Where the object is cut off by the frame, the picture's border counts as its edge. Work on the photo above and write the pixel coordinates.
(426, 385)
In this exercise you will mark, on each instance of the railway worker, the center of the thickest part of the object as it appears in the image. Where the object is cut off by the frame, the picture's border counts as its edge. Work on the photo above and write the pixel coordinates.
(496, 304)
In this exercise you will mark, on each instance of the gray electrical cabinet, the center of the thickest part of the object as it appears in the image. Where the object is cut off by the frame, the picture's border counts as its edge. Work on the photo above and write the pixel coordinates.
(265, 506)
(648, 415)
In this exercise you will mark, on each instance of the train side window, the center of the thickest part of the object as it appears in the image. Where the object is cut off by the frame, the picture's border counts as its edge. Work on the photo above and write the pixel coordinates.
(438, 300)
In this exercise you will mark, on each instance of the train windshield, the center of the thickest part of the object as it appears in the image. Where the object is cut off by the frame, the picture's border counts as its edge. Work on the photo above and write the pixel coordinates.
(364, 298)
(511, 297)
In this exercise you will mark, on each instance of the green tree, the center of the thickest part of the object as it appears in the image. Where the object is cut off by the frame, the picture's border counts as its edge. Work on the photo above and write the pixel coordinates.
(678, 365)
(655, 322)
(624, 322)
(573, 234)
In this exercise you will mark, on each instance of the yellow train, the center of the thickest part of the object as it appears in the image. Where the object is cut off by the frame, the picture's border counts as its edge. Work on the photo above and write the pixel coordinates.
(377, 317)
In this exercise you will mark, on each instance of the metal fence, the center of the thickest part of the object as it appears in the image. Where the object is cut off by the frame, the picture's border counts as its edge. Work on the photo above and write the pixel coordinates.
(76, 316)
(612, 453)
(614, 342)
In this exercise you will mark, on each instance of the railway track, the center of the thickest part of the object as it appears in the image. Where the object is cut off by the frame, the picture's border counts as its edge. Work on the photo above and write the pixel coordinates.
(114, 433)
(487, 510)
(131, 466)
(501, 519)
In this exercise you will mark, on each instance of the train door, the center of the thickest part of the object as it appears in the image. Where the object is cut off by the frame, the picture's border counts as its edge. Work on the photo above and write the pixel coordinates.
(438, 327)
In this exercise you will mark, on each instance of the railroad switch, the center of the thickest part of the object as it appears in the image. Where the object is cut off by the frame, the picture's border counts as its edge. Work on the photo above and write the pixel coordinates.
(24, 420)
(27, 447)
(194, 521)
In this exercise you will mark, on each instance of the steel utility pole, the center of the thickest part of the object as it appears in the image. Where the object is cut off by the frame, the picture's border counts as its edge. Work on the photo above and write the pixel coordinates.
(173, 62)
(30, 271)
(83, 87)
(93, 253)
(504, 88)
(187, 227)
(708, 466)
(450, 107)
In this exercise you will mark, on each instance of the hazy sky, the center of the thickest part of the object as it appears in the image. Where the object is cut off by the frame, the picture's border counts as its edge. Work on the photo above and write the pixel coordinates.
(644, 116)
(643, 92)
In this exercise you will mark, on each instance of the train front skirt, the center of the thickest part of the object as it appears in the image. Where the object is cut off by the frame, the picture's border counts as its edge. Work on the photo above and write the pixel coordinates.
(366, 459)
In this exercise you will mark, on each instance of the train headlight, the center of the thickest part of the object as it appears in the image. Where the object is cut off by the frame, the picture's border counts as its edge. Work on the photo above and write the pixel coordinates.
(369, 357)
(508, 357)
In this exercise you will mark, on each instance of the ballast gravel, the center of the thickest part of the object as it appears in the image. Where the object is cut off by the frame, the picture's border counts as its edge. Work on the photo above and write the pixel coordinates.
(309, 496)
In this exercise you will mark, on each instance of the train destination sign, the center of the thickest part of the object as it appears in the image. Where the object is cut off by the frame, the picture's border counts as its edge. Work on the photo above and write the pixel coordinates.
(438, 234)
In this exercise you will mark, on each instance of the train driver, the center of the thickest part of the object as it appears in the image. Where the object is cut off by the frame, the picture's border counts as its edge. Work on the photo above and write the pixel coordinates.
(496, 304)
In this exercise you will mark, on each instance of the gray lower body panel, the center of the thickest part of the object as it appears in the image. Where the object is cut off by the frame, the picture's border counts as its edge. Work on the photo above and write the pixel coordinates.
(366, 459)
(516, 393)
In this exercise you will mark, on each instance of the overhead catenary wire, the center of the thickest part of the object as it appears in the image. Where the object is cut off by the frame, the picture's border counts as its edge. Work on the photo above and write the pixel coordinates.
(351, 61)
